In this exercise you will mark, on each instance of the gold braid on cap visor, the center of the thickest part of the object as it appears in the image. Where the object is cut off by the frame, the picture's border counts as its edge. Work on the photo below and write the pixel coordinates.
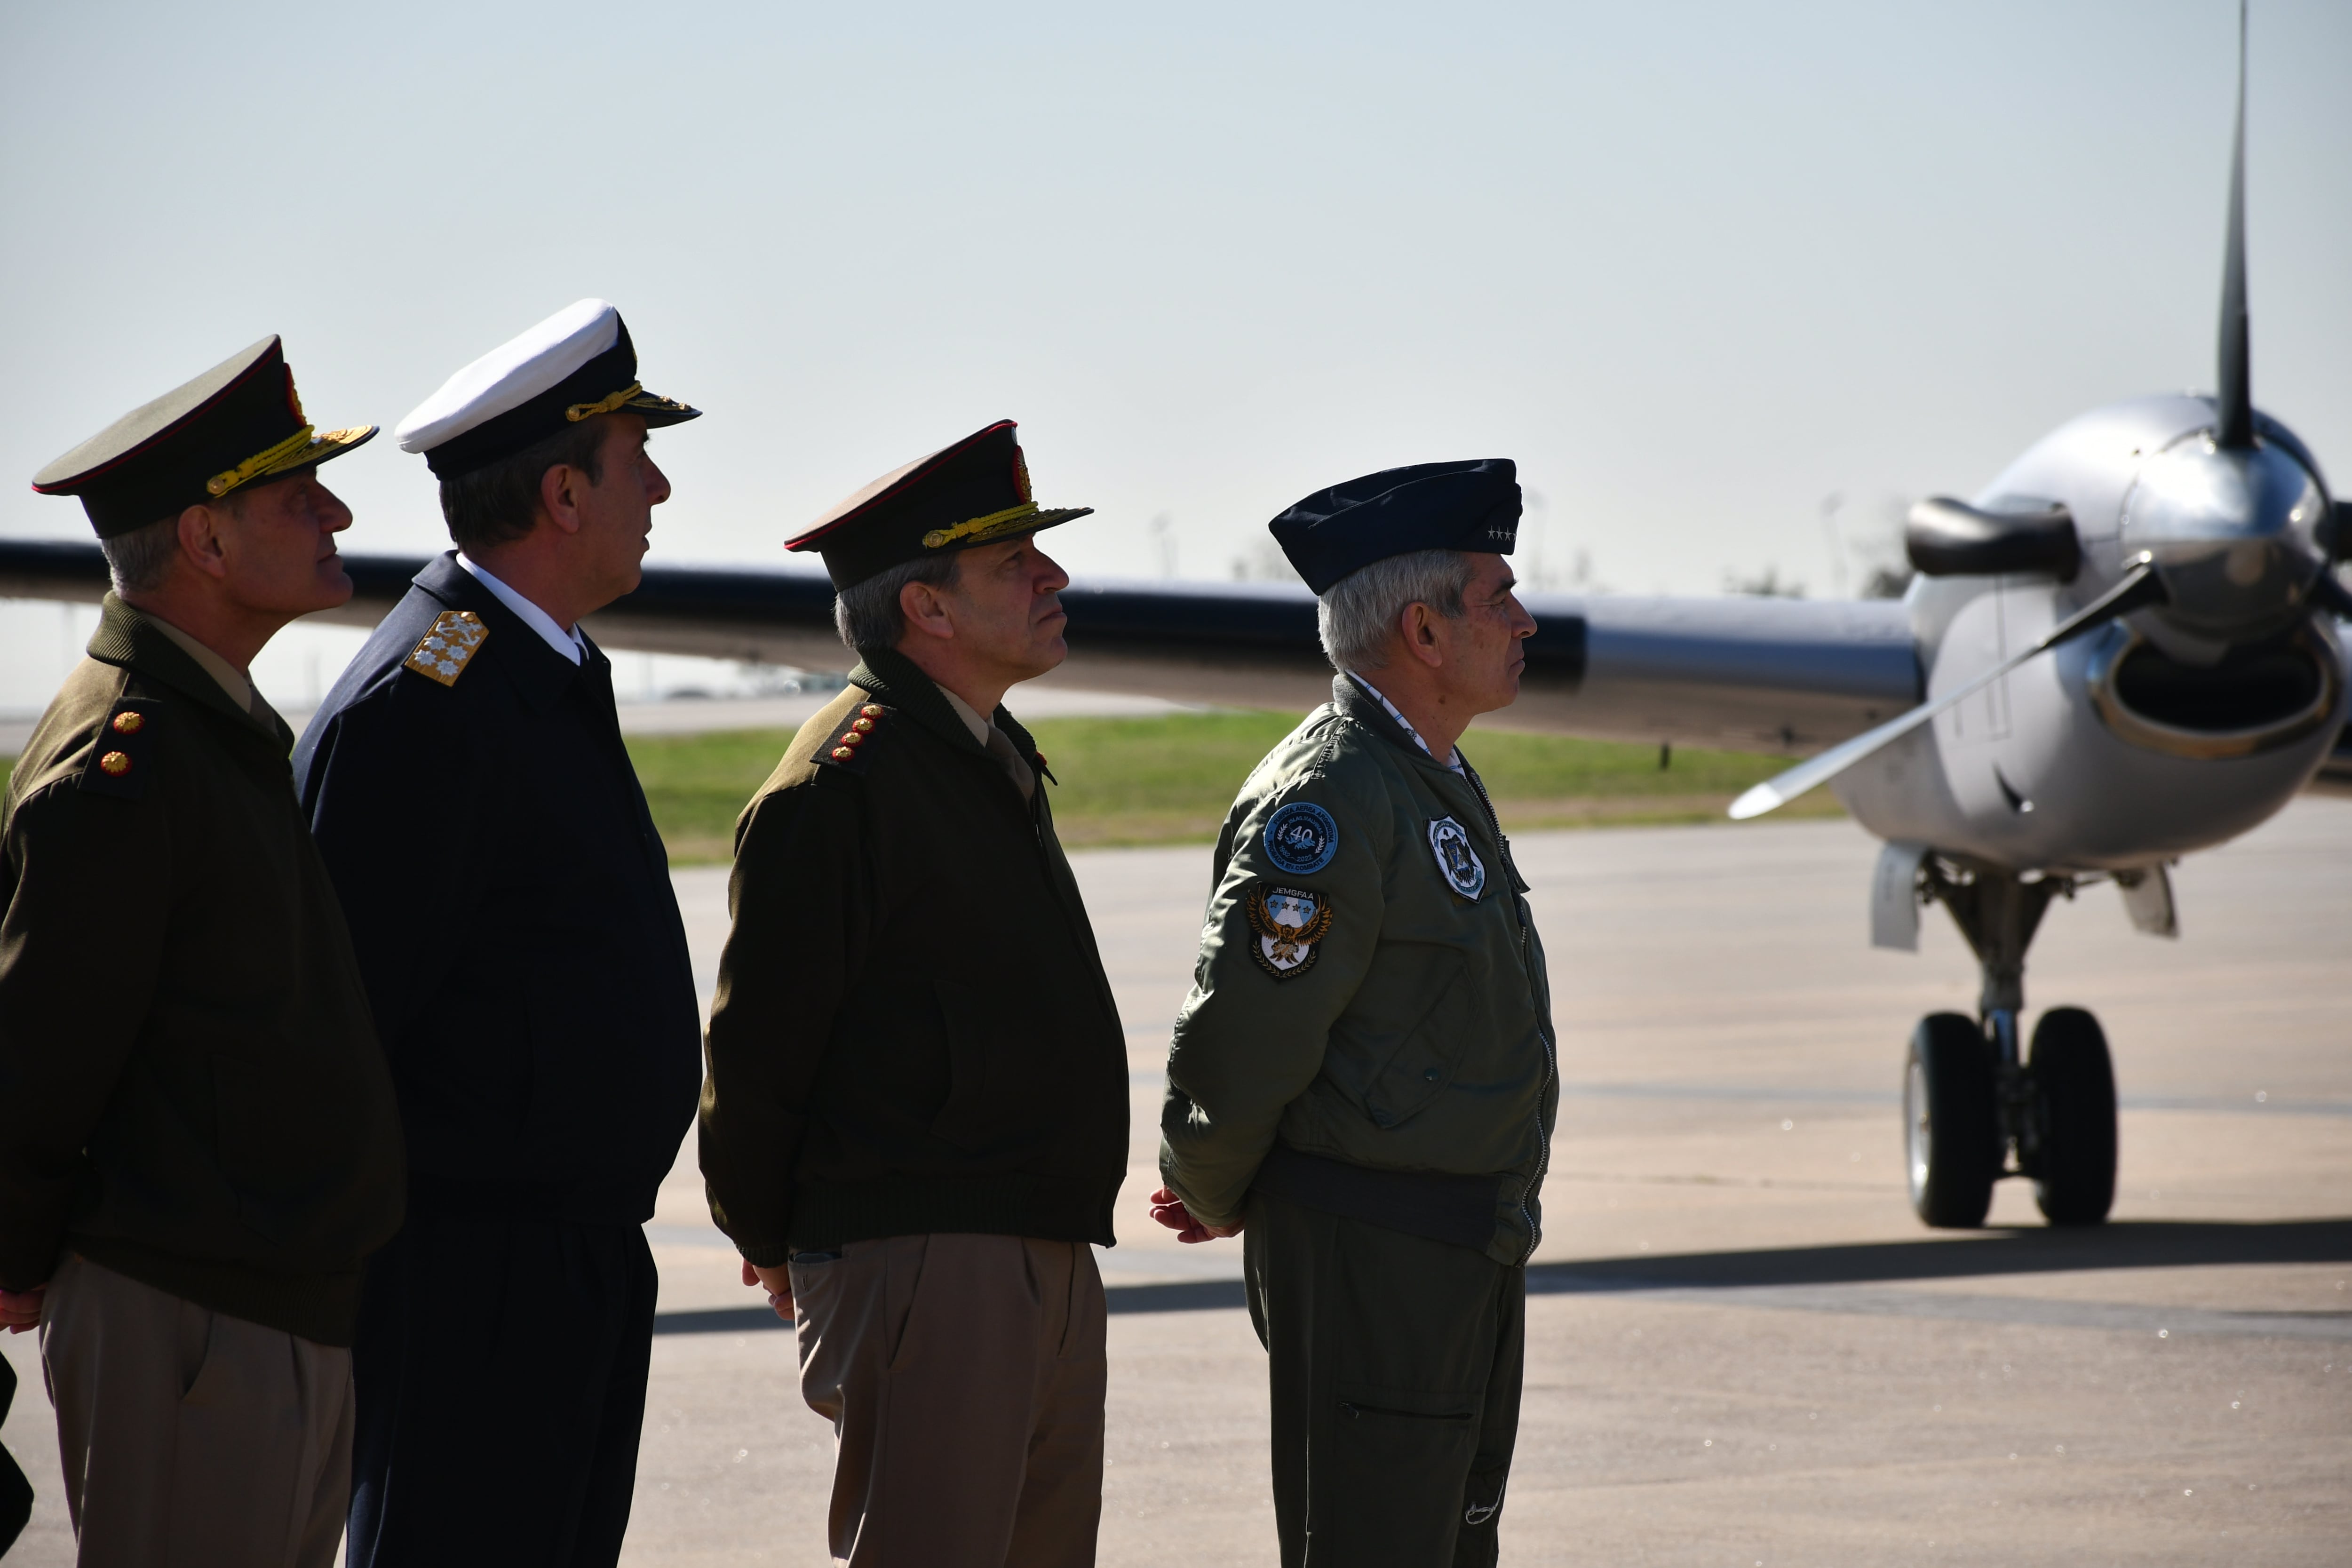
(260, 463)
(580, 411)
(980, 527)
(284, 454)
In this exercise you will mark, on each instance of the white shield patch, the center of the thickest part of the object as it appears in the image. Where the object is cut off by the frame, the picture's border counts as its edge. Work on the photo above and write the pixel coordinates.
(1457, 862)
(1285, 924)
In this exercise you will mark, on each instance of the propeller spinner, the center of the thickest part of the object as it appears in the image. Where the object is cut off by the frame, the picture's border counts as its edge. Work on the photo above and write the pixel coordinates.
(2227, 537)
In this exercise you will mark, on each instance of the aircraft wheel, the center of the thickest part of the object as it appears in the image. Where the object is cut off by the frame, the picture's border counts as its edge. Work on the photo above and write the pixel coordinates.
(1950, 1130)
(2074, 1088)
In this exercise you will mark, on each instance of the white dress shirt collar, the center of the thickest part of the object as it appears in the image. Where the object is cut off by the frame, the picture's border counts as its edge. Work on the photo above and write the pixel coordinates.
(571, 644)
(1452, 759)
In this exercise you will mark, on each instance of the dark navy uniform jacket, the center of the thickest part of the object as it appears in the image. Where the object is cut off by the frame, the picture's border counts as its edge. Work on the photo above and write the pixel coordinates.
(511, 906)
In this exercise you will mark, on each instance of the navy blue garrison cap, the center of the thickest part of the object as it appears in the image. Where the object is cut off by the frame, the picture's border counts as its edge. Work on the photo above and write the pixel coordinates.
(1472, 505)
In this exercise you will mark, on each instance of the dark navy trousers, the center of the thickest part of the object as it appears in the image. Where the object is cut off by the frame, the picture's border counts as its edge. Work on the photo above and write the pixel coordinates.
(500, 1372)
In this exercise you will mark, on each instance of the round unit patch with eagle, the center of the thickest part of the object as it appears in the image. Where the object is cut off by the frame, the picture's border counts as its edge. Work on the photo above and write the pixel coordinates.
(1287, 924)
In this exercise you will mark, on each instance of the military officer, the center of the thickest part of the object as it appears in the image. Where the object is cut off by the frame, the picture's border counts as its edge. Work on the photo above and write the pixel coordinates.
(916, 1116)
(511, 901)
(1361, 1082)
(199, 1144)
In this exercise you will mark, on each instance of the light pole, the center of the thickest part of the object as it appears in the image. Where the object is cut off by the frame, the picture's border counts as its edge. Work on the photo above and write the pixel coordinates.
(1830, 505)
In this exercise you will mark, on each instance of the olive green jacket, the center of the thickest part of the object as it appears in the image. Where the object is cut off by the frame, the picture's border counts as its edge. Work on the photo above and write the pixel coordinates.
(1366, 1009)
(191, 1091)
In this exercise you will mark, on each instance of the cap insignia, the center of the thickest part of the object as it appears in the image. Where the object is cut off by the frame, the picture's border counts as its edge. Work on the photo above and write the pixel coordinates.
(442, 655)
(1288, 923)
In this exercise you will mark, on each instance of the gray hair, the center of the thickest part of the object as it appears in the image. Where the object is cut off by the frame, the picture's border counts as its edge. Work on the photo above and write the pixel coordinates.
(866, 615)
(1358, 615)
(138, 559)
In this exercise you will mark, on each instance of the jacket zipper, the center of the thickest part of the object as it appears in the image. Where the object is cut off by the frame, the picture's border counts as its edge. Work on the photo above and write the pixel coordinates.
(1551, 1059)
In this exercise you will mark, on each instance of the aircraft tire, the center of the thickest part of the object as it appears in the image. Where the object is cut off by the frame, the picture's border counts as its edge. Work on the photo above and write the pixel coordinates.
(1951, 1130)
(2073, 1108)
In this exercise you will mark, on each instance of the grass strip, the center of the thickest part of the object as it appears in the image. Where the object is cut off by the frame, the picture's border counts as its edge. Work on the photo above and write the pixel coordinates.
(1169, 779)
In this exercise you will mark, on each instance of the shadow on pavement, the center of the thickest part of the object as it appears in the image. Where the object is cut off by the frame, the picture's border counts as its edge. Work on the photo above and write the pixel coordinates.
(2146, 1245)
(2151, 1245)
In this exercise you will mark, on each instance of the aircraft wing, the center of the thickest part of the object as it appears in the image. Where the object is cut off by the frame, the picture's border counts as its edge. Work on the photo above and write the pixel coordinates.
(1775, 674)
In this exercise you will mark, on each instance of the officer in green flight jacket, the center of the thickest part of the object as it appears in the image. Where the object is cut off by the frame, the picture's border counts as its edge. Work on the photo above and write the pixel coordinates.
(1362, 1080)
(915, 1120)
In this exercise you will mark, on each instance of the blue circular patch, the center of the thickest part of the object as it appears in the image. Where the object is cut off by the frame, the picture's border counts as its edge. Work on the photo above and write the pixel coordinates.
(1301, 838)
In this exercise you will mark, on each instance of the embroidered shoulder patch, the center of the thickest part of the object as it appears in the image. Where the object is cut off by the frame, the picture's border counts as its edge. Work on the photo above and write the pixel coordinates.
(1301, 838)
(1285, 924)
(443, 652)
(1457, 861)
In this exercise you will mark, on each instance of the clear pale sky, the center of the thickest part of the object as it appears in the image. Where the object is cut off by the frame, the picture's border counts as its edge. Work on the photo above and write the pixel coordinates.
(1695, 265)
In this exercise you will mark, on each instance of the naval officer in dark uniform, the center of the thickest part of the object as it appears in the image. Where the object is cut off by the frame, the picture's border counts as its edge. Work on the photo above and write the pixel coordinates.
(512, 910)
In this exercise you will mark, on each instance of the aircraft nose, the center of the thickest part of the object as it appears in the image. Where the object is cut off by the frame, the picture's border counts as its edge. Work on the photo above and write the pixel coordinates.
(2234, 533)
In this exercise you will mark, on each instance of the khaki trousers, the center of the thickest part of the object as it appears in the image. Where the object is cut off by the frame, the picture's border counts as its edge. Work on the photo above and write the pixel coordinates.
(190, 1437)
(963, 1376)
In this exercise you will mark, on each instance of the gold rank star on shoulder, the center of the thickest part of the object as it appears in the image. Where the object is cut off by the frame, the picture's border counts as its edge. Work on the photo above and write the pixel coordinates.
(442, 654)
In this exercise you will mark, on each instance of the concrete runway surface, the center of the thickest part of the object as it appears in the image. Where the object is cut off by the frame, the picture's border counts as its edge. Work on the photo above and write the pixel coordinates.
(1742, 1348)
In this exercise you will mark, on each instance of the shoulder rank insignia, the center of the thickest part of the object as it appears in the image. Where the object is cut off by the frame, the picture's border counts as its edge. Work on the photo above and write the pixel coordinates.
(122, 755)
(1286, 923)
(855, 734)
(443, 652)
(1457, 862)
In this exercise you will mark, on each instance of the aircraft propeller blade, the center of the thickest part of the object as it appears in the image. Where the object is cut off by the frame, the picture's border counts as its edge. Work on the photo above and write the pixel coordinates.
(2233, 383)
(2139, 588)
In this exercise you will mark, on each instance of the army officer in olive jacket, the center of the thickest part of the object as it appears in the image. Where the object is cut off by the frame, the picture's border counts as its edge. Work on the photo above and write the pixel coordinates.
(198, 1139)
(1362, 1080)
(916, 1116)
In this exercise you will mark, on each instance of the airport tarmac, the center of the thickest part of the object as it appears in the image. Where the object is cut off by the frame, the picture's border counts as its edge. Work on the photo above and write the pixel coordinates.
(1742, 1348)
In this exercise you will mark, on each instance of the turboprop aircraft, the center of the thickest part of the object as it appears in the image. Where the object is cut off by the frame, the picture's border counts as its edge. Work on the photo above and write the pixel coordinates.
(2123, 649)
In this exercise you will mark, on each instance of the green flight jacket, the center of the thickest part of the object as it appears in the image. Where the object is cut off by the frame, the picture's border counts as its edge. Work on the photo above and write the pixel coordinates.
(1369, 987)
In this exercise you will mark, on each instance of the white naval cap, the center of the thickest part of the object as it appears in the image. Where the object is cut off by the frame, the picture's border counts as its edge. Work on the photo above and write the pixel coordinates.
(576, 364)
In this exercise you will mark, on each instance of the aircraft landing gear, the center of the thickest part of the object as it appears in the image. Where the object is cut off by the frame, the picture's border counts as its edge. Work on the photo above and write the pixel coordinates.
(1951, 1130)
(1976, 1108)
(2071, 1123)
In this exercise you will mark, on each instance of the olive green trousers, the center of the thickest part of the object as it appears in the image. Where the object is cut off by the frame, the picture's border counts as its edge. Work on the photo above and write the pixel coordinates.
(1394, 1365)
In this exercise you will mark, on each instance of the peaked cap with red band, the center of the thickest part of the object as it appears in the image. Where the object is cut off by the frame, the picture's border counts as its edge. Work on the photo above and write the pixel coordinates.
(973, 492)
(236, 424)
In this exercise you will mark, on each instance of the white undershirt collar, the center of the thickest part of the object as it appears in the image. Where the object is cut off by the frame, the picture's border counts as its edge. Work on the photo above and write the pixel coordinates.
(1453, 758)
(571, 644)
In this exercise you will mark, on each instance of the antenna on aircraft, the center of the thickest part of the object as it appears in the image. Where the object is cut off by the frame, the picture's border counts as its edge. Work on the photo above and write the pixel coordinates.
(2235, 400)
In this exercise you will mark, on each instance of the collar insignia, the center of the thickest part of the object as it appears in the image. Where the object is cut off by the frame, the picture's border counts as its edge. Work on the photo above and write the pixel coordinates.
(1457, 862)
(1286, 923)
(444, 652)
